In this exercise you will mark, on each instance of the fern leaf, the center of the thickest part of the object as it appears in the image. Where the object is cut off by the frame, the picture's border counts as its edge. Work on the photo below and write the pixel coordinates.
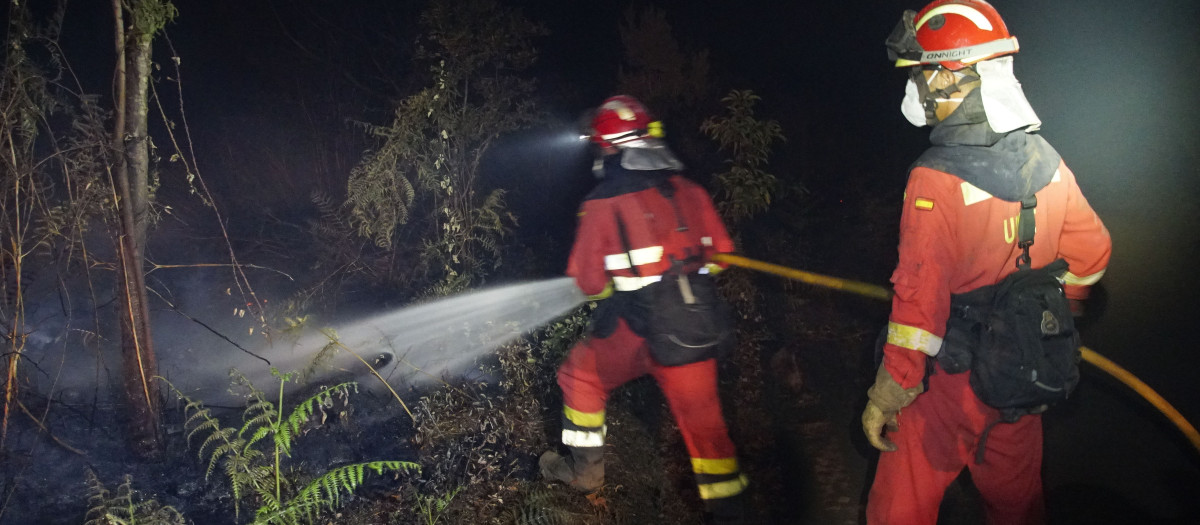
(206, 423)
(259, 434)
(326, 492)
(227, 448)
(304, 409)
(260, 412)
(125, 506)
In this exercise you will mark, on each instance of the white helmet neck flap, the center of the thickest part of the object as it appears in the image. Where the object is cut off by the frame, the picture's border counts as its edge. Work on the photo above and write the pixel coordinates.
(1004, 101)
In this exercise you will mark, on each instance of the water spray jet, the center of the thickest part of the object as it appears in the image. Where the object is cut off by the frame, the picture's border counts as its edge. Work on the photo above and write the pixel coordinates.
(429, 341)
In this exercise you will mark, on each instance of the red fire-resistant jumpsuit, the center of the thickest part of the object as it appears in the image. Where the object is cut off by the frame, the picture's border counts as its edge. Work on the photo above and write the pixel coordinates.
(954, 238)
(630, 237)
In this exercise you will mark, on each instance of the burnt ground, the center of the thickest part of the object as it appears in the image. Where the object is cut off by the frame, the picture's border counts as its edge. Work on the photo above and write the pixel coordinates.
(46, 480)
(792, 400)
(791, 405)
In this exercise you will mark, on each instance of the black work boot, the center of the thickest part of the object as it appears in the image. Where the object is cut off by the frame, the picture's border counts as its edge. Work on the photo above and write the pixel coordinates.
(583, 471)
(727, 511)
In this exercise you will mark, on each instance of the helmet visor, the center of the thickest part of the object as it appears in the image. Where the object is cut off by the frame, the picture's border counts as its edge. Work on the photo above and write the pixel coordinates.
(902, 43)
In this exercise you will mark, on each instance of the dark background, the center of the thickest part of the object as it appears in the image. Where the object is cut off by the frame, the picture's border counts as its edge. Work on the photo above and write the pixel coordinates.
(1115, 84)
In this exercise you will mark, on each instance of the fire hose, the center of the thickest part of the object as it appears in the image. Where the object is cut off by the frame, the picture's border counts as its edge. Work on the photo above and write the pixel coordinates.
(881, 293)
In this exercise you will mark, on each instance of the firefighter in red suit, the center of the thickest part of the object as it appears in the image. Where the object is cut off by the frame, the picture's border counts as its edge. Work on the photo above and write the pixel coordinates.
(958, 233)
(641, 220)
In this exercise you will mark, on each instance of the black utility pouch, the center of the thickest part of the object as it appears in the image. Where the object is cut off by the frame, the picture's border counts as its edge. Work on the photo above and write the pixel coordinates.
(1018, 339)
(962, 336)
(689, 322)
(1028, 355)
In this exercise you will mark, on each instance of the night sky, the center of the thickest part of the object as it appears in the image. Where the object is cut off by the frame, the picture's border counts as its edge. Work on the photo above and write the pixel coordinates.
(1115, 83)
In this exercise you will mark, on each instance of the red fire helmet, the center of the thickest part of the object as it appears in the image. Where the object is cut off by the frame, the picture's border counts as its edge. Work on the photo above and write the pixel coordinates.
(952, 33)
(622, 119)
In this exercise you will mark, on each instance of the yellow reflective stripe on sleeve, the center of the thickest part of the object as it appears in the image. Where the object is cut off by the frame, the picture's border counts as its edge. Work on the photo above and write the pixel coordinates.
(647, 255)
(582, 438)
(914, 338)
(923, 204)
(1086, 280)
(616, 261)
(629, 284)
(723, 489)
(584, 419)
(714, 466)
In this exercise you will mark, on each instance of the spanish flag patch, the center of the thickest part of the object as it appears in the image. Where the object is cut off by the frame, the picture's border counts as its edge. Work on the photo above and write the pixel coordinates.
(923, 204)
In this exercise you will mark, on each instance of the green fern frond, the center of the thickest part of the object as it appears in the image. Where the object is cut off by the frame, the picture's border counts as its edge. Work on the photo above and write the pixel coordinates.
(283, 439)
(327, 491)
(305, 409)
(332, 216)
(270, 506)
(262, 432)
(219, 438)
(258, 412)
(201, 422)
(192, 405)
(223, 448)
(125, 506)
(98, 497)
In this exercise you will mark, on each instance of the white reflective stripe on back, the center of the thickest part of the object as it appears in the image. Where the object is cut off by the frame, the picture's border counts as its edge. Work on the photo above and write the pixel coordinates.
(972, 194)
(914, 338)
(707, 241)
(582, 438)
(1086, 280)
(616, 261)
(1057, 176)
(647, 255)
(640, 256)
(629, 284)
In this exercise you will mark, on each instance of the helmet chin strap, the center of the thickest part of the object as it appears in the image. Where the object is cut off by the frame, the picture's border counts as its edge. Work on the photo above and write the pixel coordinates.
(598, 166)
(930, 98)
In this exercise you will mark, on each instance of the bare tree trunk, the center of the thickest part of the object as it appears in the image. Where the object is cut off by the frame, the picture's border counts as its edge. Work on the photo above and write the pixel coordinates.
(131, 176)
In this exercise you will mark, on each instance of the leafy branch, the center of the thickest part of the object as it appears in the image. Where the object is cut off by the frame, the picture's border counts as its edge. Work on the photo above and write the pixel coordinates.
(746, 188)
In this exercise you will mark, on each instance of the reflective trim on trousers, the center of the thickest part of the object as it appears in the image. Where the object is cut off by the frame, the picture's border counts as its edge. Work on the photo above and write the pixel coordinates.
(714, 466)
(583, 438)
(724, 489)
(584, 419)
